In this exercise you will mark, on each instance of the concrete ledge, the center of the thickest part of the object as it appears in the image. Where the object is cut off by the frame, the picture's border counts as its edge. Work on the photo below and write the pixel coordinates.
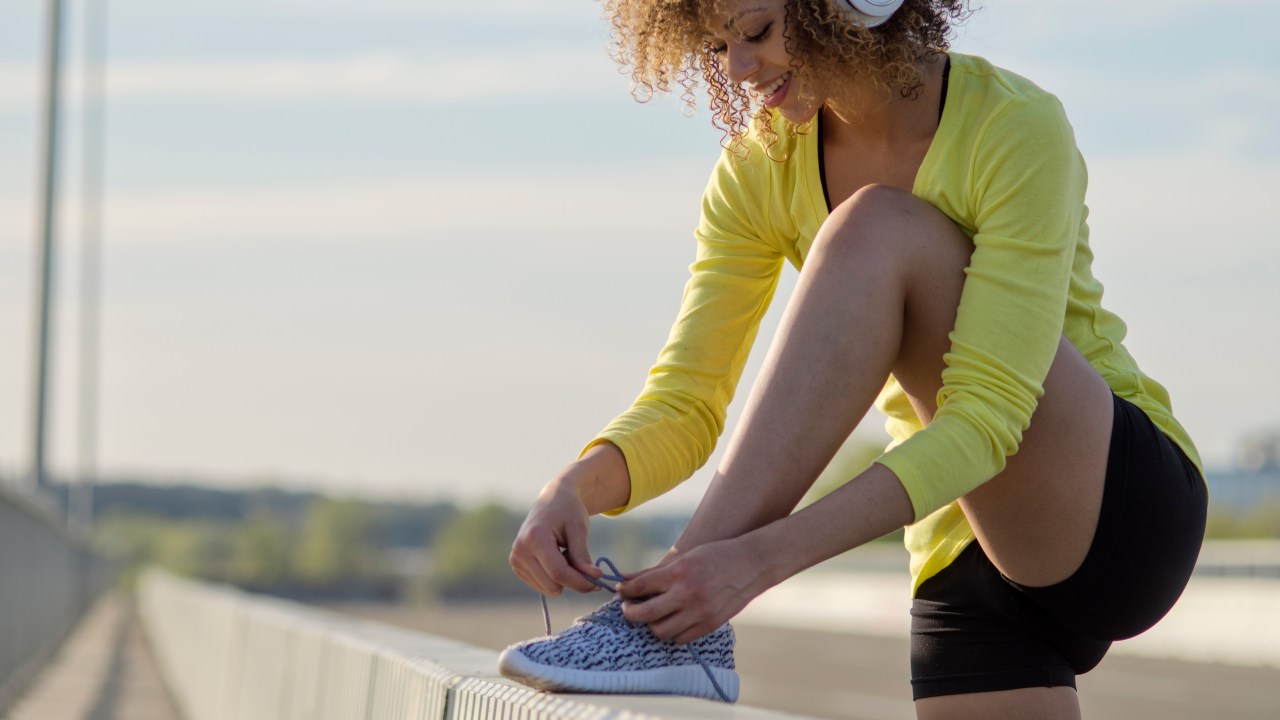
(1229, 620)
(230, 654)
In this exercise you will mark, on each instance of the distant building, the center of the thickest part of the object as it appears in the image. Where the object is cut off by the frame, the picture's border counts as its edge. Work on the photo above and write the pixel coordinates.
(1243, 490)
(1260, 453)
(1255, 480)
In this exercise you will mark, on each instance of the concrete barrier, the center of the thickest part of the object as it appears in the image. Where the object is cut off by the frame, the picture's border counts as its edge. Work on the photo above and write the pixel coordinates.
(230, 654)
(1227, 614)
(49, 579)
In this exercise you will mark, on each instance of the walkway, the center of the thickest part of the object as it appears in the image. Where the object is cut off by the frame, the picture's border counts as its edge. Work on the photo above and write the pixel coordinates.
(104, 670)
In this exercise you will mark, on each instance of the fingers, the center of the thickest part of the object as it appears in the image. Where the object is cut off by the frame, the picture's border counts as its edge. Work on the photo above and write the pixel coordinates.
(668, 574)
(531, 572)
(669, 619)
(568, 576)
(658, 598)
(549, 570)
(569, 564)
(579, 557)
(537, 558)
(678, 600)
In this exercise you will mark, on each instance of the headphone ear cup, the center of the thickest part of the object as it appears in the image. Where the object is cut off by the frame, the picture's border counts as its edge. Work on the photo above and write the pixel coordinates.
(870, 12)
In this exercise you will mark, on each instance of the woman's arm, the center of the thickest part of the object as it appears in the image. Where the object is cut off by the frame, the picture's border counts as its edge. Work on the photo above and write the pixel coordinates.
(713, 572)
(1023, 188)
(672, 427)
(550, 552)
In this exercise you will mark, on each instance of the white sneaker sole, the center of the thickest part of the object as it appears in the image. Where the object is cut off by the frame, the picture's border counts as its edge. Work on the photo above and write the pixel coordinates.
(689, 680)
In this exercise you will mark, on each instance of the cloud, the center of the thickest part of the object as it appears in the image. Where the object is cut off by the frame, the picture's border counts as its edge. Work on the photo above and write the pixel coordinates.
(1036, 21)
(433, 207)
(386, 77)
(506, 9)
(1200, 210)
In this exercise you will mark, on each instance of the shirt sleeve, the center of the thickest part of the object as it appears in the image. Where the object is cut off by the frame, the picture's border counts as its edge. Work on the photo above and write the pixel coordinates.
(672, 427)
(1027, 181)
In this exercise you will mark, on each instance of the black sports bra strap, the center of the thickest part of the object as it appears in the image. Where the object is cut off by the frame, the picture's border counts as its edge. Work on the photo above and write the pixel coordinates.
(946, 78)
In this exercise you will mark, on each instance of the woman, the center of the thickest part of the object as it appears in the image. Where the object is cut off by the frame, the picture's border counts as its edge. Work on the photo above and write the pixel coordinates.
(934, 204)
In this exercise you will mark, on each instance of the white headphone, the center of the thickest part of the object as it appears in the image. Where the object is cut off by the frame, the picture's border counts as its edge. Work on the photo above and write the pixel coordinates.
(870, 12)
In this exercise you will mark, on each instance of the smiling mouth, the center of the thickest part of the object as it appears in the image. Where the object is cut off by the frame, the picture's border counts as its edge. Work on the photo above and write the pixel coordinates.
(767, 92)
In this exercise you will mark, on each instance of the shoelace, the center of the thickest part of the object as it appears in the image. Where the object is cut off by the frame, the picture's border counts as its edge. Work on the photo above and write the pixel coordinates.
(615, 576)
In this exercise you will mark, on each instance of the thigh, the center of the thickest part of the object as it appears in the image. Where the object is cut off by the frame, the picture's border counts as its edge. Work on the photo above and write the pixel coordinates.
(1036, 519)
(1055, 703)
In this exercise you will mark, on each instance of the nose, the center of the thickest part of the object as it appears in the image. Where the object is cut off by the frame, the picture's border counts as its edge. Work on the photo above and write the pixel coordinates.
(742, 62)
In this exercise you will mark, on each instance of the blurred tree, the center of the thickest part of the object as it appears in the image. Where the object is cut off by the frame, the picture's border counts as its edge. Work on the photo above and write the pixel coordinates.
(320, 547)
(1259, 522)
(198, 549)
(131, 540)
(335, 546)
(628, 542)
(260, 552)
(471, 554)
(410, 525)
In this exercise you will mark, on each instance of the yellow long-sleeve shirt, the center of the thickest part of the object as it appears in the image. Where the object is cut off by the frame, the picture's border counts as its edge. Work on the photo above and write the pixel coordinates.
(1004, 167)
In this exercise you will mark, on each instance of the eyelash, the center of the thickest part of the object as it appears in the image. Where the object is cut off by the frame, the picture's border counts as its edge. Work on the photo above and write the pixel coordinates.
(758, 37)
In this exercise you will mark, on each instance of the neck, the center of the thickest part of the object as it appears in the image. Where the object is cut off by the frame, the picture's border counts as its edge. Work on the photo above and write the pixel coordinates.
(863, 112)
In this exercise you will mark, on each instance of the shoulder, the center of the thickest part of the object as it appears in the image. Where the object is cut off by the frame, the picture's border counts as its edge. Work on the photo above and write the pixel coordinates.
(996, 98)
(768, 158)
(998, 121)
(991, 78)
(760, 186)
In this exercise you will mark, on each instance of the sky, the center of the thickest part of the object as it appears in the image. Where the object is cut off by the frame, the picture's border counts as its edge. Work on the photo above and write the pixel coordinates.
(427, 249)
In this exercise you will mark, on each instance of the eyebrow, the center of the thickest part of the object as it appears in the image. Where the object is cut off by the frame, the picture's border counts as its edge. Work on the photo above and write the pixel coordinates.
(731, 21)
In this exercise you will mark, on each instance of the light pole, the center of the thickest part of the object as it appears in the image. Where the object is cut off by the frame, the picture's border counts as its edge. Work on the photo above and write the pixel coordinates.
(44, 280)
(80, 499)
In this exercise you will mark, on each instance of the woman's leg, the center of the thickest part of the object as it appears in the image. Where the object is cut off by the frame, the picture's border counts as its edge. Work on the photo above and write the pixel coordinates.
(879, 294)
(1053, 703)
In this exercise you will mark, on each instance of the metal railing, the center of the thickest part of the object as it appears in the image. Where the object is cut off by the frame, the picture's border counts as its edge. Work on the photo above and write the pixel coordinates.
(47, 581)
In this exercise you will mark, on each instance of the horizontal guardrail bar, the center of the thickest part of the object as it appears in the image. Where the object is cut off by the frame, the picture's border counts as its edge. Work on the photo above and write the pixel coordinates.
(231, 654)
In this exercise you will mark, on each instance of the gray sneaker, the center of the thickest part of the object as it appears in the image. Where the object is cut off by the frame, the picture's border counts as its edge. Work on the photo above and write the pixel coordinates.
(604, 653)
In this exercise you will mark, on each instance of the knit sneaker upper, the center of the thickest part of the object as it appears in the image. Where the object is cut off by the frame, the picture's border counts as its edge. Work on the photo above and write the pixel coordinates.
(604, 640)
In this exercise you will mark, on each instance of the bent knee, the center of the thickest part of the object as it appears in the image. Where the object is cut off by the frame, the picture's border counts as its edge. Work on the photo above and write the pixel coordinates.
(871, 206)
(886, 219)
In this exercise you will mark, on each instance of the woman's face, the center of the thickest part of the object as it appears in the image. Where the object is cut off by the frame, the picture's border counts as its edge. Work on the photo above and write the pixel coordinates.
(748, 37)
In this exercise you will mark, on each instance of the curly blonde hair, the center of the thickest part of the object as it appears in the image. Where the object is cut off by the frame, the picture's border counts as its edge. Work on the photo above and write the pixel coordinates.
(664, 43)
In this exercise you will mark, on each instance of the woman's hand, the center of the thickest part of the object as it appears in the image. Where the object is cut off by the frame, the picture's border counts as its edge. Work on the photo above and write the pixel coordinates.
(690, 594)
(550, 551)
(693, 592)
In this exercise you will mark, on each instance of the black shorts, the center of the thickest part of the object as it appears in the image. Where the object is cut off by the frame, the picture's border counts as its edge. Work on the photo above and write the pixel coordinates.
(974, 630)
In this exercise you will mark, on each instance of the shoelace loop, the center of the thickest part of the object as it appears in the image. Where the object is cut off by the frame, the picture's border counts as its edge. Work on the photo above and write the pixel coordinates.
(615, 576)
